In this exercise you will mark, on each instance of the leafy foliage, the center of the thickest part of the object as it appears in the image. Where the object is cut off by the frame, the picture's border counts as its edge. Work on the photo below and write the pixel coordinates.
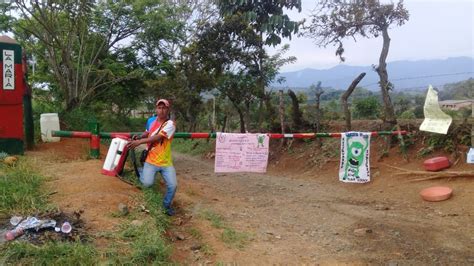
(82, 49)
(408, 114)
(264, 17)
(230, 51)
(335, 20)
(458, 91)
(366, 108)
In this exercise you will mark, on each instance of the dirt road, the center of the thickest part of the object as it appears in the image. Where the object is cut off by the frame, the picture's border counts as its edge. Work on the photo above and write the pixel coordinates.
(313, 218)
(293, 214)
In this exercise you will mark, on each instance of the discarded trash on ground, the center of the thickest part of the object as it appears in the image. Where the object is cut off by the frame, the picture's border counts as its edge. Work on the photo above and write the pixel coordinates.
(53, 226)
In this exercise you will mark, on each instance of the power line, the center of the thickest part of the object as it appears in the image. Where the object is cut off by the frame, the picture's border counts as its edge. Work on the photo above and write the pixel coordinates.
(421, 77)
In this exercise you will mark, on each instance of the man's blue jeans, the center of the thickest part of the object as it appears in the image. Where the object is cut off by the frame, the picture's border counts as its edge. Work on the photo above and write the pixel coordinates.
(147, 178)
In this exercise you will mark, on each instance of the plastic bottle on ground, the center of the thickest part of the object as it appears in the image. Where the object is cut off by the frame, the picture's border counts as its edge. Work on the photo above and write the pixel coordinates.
(10, 235)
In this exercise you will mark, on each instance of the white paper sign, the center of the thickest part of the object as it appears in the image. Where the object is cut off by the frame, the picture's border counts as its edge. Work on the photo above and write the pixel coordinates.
(436, 120)
(8, 69)
(241, 153)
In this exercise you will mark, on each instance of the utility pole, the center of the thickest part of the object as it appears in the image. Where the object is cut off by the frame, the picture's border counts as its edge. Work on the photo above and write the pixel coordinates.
(213, 113)
(33, 63)
(472, 124)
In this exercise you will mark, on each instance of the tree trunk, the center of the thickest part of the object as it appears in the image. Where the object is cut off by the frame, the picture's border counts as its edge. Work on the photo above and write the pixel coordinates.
(282, 112)
(270, 112)
(345, 97)
(247, 116)
(282, 117)
(318, 109)
(241, 116)
(389, 114)
(192, 119)
(224, 123)
(296, 113)
(209, 123)
(260, 83)
(242, 120)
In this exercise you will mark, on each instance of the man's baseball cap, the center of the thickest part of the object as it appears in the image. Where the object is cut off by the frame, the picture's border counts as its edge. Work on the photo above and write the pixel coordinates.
(163, 101)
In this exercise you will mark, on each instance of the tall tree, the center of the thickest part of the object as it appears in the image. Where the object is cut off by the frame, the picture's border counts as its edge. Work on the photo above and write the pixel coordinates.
(269, 23)
(76, 37)
(225, 52)
(335, 20)
(318, 91)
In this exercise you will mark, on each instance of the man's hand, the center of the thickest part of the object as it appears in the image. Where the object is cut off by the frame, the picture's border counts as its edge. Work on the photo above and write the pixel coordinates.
(134, 143)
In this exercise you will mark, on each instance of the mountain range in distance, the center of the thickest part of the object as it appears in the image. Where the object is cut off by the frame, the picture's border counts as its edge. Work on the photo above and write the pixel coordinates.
(404, 75)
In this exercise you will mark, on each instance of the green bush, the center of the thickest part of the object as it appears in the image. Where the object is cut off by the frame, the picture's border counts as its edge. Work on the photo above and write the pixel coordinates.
(408, 114)
(193, 146)
(367, 108)
(77, 119)
(452, 113)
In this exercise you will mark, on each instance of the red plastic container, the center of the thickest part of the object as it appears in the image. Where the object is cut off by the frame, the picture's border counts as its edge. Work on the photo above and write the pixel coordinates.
(436, 193)
(436, 164)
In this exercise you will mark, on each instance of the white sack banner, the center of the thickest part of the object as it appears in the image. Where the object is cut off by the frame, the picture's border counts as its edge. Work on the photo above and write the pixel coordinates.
(355, 154)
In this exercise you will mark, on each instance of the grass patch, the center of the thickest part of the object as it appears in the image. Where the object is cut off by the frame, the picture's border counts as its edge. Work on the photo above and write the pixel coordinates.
(141, 244)
(215, 219)
(51, 253)
(195, 233)
(229, 236)
(234, 239)
(21, 193)
(20, 190)
(207, 250)
(193, 146)
(154, 203)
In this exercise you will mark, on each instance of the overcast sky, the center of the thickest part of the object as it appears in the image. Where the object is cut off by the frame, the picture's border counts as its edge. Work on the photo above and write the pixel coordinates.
(436, 29)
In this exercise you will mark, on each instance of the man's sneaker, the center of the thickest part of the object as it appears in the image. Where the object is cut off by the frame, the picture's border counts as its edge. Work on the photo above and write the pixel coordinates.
(169, 212)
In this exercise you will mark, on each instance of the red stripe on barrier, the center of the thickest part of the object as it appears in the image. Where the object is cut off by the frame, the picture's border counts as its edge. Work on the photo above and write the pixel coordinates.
(199, 135)
(120, 135)
(95, 142)
(276, 136)
(303, 135)
(81, 134)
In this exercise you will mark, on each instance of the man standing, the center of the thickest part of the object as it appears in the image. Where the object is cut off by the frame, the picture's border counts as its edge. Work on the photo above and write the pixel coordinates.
(159, 139)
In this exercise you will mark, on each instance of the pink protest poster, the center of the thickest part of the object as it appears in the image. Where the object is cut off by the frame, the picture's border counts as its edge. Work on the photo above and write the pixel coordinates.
(241, 153)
